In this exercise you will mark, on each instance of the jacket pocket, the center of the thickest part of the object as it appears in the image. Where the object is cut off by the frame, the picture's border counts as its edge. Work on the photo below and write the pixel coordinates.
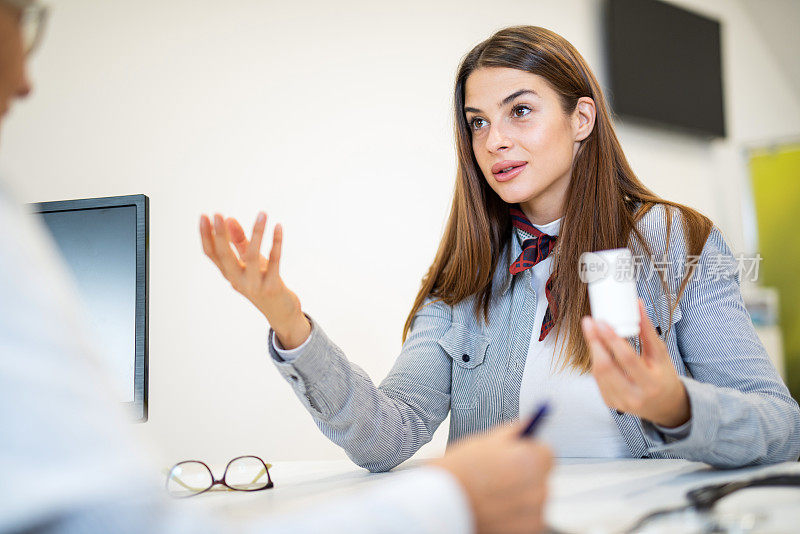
(468, 351)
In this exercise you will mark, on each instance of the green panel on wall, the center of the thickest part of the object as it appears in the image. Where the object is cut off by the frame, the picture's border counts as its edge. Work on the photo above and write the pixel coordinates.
(775, 177)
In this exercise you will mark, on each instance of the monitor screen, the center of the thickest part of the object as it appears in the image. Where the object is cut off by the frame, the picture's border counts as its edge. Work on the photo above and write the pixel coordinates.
(99, 246)
(664, 66)
(101, 241)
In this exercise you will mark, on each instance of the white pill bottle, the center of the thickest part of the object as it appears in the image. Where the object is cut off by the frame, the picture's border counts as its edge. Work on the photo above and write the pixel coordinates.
(611, 279)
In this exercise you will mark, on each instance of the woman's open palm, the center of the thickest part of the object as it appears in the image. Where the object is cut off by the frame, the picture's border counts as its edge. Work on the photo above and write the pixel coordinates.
(241, 263)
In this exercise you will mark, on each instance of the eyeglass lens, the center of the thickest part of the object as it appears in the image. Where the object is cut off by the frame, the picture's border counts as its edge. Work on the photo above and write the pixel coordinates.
(189, 478)
(247, 473)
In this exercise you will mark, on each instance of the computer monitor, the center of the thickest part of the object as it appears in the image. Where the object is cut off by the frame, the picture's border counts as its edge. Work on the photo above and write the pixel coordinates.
(664, 66)
(104, 241)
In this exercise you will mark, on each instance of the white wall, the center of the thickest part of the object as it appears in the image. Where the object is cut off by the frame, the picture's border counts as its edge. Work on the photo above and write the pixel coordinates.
(335, 119)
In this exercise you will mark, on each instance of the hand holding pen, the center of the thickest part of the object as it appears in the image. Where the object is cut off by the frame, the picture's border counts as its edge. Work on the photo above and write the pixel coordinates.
(504, 477)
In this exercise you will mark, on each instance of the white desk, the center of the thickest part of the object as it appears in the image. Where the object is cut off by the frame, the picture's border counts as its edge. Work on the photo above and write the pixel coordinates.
(589, 496)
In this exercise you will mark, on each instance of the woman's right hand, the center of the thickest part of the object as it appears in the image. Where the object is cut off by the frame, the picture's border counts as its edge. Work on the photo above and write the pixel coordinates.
(254, 276)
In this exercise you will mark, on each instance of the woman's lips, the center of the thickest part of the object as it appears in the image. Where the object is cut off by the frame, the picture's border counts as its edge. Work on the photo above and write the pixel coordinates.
(508, 175)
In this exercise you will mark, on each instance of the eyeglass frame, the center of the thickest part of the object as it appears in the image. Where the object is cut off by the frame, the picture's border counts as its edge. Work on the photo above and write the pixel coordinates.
(38, 12)
(214, 480)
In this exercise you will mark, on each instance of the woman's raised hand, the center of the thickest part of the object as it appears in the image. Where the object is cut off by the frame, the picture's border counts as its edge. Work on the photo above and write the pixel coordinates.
(253, 275)
(648, 385)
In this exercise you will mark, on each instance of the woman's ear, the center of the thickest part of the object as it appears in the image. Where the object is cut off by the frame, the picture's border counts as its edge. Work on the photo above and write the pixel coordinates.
(583, 118)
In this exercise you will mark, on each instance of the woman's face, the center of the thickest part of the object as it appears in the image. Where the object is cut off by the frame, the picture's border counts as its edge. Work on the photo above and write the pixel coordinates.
(523, 141)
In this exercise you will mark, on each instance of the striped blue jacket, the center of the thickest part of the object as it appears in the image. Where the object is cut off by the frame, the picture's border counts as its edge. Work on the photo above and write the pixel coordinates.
(742, 412)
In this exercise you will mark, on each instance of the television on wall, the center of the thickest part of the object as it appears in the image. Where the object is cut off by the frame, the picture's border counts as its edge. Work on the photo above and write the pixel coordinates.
(664, 66)
(104, 243)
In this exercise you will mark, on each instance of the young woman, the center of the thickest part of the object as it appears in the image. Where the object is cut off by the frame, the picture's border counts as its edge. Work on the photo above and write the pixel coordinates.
(501, 316)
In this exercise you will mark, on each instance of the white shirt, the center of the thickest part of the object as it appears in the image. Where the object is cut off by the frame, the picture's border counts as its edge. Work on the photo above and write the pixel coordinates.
(72, 463)
(579, 423)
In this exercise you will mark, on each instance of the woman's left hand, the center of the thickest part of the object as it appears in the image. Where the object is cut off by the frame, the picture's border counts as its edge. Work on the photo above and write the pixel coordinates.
(646, 386)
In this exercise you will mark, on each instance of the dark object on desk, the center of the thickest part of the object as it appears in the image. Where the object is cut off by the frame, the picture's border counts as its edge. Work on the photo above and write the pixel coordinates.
(706, 497)
(703, 499)
(104, 241)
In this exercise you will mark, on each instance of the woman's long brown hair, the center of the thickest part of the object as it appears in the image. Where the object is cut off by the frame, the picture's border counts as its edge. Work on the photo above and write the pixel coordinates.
(479, 226)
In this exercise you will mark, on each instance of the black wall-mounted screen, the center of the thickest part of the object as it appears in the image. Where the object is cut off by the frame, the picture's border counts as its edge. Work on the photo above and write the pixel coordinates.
(104, 243)
(664, 66)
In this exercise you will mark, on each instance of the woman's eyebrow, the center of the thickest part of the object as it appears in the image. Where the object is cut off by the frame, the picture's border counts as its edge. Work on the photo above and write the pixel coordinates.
(506, 100)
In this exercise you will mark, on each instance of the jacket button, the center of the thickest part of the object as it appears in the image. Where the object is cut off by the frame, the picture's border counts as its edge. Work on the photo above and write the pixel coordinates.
(293, 377)
(465, 357)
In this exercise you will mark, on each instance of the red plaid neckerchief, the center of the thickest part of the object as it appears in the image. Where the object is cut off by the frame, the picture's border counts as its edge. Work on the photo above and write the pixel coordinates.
(535, 250)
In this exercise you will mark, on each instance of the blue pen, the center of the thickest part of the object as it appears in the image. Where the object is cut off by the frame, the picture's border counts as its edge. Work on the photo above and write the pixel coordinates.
(535, 420)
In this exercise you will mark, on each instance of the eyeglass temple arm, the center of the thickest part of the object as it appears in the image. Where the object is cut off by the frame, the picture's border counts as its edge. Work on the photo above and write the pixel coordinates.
(261, 473)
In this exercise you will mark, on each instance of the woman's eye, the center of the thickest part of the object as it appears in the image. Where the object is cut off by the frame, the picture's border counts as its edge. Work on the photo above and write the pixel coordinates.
(521, 111)
(476, 123)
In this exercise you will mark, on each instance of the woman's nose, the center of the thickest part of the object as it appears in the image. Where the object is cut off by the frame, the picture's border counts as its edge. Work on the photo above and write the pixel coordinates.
(498, 139)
